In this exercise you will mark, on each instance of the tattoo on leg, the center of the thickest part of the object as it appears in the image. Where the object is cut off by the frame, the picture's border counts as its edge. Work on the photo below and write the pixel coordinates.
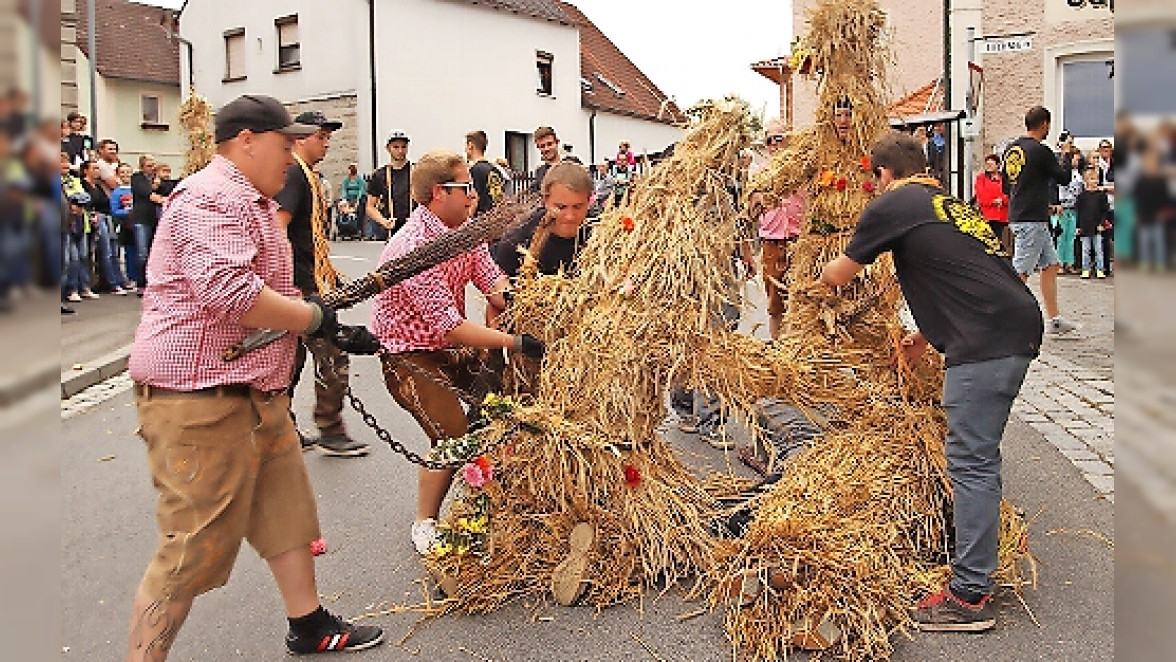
(154, 632)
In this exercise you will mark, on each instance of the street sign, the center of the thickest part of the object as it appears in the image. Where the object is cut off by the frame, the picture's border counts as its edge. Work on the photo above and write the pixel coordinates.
(997, 46)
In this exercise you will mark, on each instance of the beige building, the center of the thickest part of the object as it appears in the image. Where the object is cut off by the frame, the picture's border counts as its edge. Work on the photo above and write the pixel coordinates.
(1060, 56)
(138, 81)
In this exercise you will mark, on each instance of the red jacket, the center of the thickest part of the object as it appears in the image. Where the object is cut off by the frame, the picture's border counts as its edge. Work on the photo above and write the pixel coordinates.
(988, 192)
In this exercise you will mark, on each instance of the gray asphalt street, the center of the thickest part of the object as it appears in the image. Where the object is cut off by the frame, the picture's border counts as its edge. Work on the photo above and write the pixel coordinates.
(366, 506)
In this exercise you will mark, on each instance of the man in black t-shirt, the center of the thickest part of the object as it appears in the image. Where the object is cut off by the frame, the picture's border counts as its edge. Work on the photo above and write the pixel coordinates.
(567, 191)
(548, 145)
(971, 306)
(488, 180)
(303, 210)
(77, 144)
(389, 202)
(1032, 174)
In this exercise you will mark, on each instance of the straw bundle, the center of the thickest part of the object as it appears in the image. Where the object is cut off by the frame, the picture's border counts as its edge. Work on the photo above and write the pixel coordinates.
(196, 118)
(638, 317)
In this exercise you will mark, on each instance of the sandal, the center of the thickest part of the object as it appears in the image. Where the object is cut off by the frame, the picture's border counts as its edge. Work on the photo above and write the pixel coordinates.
(567, 580)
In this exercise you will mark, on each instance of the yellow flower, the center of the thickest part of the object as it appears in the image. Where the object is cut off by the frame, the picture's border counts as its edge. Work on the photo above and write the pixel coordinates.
(477, 524)
(441, 549)
(463, 524)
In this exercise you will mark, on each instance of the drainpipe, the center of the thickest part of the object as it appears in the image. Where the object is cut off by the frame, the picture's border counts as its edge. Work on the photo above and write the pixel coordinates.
(92, 42)
(949, 127)
(372, 72)
(592, 139)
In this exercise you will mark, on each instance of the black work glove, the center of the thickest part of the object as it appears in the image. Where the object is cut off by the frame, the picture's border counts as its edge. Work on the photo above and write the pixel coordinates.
(529, 345)
(355, 340)
(325, 322)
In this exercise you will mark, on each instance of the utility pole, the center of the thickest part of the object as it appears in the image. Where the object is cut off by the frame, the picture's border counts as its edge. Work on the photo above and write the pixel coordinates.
(969, 132)
(91, 38)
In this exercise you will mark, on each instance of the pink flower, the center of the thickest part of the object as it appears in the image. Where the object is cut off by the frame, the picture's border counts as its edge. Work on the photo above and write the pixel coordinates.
(318, 546)
(868, 186)
(475, 475)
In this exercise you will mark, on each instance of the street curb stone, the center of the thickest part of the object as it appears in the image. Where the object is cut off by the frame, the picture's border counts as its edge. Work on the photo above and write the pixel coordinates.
(23, 383)
(98, 370)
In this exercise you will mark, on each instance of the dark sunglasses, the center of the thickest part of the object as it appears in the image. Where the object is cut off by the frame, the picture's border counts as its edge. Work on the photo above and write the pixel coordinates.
(772, 140)
(465, 187)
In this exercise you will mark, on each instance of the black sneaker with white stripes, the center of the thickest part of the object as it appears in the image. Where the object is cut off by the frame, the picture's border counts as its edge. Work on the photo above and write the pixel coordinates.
(333, 635)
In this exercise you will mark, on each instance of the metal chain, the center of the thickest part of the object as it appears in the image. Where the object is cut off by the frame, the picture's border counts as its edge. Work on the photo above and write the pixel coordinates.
(386, 436)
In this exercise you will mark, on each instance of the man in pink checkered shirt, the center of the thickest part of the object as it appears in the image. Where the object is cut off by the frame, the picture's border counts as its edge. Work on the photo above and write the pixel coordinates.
(222, 450)
(430, 349)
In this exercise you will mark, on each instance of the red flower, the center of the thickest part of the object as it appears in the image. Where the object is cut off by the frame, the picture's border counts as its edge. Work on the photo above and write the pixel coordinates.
(842, 183)
(865, 163)
(868, 186)
(628, 223)
(318, 546)
(482, 463)
(632, 476)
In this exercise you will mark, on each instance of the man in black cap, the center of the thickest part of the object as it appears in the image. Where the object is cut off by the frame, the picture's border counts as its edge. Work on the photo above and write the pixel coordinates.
(222, 450)
(304, 213)
(389, 202)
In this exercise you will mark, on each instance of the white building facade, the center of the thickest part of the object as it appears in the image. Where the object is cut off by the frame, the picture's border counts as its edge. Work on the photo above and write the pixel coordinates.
(441, 68)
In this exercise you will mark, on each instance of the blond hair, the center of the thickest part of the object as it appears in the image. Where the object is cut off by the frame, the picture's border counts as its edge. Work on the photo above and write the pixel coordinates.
(571, 175)
(436, 167)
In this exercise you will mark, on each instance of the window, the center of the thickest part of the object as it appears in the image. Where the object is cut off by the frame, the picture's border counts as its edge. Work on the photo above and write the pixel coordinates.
(543, 62)
(149, 111)
(235, 55)
(516, 150)
(289, 49)
(1147, 76)
(1088, 98)
(616, 89)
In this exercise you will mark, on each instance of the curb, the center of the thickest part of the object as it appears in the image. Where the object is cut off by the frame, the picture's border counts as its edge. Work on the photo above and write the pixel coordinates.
(88, 374)
(23, 383)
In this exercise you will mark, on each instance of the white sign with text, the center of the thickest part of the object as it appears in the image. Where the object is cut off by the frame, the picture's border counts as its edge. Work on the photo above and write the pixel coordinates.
(1014, 45)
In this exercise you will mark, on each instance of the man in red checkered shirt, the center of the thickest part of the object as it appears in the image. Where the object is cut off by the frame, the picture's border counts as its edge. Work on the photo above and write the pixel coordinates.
(222, 449)
(430, 349)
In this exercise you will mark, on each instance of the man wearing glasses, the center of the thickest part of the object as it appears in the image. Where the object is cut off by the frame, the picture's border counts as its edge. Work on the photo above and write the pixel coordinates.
(971, 306)
(430, 350)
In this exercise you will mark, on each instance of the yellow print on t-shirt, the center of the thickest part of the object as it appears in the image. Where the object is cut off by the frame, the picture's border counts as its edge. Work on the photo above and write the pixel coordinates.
(967, 220)
(1014, 162)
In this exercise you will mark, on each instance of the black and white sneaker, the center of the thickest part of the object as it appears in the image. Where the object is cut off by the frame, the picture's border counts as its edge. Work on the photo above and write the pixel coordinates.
(340, 445)
(337, 636)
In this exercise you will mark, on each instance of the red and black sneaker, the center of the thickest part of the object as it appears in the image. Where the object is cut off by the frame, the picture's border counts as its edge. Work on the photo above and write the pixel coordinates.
(337, 636)
(944, 612)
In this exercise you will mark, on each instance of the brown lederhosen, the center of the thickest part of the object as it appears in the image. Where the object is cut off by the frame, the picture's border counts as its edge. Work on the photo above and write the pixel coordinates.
(429, 385)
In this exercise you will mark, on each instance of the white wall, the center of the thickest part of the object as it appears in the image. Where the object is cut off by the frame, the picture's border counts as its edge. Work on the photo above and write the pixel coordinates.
(333, 59)
(444, 67)
(644, 136)
(455, 67)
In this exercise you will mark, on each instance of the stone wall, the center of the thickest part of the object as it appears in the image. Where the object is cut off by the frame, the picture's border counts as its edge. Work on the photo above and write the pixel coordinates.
(345, 143)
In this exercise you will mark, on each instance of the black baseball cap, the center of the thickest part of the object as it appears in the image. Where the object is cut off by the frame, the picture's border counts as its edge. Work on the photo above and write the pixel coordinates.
(317, 118)
(259, 114)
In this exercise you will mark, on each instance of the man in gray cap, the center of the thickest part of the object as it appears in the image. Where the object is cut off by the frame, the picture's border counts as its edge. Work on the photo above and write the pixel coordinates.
(389, 202)
(221, 447)
(304, 213)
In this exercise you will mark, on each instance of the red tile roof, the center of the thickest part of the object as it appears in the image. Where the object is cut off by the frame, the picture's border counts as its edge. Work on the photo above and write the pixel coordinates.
(926, 99)
(134, 41)
(774, 69)
(544, 9)
(615, 84)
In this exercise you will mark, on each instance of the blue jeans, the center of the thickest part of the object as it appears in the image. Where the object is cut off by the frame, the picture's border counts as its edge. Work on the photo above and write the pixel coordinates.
(1094, 244)
(977, 398)
(1153, 245)
(76, 277)
(144, 235)
(373, 230)
(107, 252)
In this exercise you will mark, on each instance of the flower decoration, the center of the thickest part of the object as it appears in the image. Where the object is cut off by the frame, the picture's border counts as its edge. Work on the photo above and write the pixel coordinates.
(478, 472)
(865, 163)
(827, 177)
(318, 546)
(842, 183)
(632, 475)
(868, 186)
(628, 223)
